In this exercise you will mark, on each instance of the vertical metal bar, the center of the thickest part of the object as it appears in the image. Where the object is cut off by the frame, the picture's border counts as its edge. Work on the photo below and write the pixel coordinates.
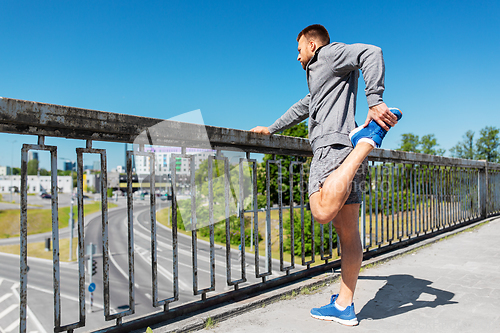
(154, 243)
(412, 198)
(23, 264)
(382, 202)
(434, 198)
(81, 236)
(211, 230)
(407, 180)
(268, 215)
(461, 199)
(399, 211)
(268, 221)
(291, 213)
(256, 217)
(105, 244)
(447, 196)
(375, 177)
(228, 223)
(370, 203)
(242, 218)
(280, 213)
(426, 198)
(130, 221)
(175, 244)
(55, 240)
(363, 219)
(453, 185)
(418, 199)
(292, 208)
(393, 193)
(387, 190)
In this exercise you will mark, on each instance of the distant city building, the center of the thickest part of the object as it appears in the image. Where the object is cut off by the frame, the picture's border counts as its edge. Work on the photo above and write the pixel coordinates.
(36, 184)
(90, 182)
(32, 155)
(68, 166)
(5, 170)
(163, 157)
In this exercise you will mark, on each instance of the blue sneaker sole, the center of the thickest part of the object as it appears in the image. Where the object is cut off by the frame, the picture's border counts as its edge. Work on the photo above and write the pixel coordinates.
(396, 111)
(350, 322)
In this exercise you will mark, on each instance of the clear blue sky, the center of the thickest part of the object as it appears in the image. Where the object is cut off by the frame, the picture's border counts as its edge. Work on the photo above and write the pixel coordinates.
(236, 62)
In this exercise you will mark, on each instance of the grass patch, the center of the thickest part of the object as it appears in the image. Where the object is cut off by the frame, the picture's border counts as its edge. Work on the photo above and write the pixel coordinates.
(309, 290)
(210, 323)
(288, 296)
(37, 250)
(40, 220)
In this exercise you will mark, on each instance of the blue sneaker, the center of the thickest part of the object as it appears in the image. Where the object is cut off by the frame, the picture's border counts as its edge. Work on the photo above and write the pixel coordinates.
(331, 313)
(372, 132)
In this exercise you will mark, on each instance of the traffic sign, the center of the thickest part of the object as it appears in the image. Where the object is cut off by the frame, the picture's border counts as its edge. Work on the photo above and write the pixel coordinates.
(92, 287)
(91, 249)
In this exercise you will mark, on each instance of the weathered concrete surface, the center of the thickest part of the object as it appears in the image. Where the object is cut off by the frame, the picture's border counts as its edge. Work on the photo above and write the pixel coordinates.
(451, 285)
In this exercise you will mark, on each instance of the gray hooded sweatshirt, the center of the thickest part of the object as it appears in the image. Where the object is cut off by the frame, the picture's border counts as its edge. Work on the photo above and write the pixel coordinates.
(332, 77)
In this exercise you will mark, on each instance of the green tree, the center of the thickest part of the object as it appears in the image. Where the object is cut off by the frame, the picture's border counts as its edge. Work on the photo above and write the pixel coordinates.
(16, 171)
(465, 149)
(429, 145)
(409, 143)
(299, 130)
(297, 232)
(488, 143)
(33, 167)
(44, 172)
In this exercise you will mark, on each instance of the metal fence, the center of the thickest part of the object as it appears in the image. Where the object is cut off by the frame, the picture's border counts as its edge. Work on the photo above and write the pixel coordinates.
(408, 197)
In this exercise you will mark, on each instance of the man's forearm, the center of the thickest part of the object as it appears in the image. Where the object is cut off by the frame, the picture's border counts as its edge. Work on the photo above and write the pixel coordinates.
(294, 115)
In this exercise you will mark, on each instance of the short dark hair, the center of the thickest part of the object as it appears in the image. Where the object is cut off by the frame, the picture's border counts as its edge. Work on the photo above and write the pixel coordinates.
(315, 31)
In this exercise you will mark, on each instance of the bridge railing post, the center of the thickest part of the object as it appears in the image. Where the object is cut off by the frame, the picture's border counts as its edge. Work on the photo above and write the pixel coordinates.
(483, 190)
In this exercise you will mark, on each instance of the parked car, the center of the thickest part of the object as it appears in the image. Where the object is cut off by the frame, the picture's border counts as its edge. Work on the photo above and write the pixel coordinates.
(46, 196)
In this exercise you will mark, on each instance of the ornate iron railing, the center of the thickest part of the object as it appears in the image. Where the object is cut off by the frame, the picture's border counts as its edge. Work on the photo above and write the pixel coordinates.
(408, 197)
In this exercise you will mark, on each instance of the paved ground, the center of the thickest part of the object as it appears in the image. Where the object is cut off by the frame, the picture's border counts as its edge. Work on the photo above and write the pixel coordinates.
(450, 286)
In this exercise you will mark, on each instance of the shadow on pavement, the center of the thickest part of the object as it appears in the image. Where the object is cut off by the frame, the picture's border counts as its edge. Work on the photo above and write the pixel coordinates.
(401, 294)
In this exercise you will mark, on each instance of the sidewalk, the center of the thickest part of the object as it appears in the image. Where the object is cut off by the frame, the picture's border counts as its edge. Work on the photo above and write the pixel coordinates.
(451, 285)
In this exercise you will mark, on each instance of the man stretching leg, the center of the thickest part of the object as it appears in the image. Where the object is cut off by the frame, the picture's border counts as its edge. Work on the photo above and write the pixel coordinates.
(340, 149)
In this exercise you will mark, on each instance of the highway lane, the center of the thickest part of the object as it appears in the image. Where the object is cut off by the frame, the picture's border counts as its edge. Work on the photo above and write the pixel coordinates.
(40, 288)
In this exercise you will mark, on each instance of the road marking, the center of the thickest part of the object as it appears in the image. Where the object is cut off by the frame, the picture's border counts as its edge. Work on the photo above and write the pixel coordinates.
(164, 272)
(30, 313)
(8, 310)
(122, 272)
(4, 297)
(12, 326)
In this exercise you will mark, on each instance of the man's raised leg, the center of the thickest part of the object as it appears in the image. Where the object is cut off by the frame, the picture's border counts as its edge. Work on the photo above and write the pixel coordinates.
(328, 202)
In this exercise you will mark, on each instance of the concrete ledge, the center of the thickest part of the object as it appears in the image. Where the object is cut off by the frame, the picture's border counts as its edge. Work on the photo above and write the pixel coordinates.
(199, 320)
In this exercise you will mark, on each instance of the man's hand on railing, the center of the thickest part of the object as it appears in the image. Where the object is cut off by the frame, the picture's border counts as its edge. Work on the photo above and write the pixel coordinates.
(261, 130)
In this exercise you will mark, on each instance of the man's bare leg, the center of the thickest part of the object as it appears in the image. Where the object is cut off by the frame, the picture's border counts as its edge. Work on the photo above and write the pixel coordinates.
(328, 202)
(347, 227)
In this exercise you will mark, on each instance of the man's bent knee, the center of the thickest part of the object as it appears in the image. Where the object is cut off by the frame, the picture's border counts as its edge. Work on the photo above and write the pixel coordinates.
(322, 214)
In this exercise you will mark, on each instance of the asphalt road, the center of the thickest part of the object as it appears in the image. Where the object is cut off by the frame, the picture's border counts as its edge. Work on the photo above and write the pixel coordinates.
(40, 280)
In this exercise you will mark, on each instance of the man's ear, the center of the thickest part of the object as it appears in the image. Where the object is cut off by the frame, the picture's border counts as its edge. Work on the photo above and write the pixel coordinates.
(313, 46)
